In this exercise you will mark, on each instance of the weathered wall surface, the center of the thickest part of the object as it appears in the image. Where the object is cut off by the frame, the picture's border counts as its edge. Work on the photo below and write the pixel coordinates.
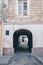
(0, 26)
(37, 32)
(35, 12)
(0, 10)
(0, 35)
(35, 17)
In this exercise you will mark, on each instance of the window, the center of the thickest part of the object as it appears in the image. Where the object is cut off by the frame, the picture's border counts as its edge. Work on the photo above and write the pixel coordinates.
(25, 8)
(7, 32)
(22, 7)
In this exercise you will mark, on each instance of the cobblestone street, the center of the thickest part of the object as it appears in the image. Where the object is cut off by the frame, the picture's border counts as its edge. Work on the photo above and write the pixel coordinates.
(23, 58)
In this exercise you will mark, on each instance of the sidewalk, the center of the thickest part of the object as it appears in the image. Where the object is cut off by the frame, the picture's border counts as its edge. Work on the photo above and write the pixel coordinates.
(39, 58)
(4, 60)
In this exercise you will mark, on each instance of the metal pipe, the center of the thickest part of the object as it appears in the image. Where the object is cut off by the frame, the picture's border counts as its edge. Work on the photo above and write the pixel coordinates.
(2, 10)
(2, 24)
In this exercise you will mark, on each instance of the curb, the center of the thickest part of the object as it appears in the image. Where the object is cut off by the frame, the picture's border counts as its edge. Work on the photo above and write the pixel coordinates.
(38, 60)
(5, 63)
(10, 60)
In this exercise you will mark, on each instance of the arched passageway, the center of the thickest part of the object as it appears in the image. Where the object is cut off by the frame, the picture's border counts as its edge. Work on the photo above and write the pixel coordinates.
(21, 38)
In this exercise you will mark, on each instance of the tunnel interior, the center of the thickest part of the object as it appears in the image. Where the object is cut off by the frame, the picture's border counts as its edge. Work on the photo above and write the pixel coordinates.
(22, 40)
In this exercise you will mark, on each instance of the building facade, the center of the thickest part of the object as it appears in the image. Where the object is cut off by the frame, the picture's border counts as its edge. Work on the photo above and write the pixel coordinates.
(20, 15)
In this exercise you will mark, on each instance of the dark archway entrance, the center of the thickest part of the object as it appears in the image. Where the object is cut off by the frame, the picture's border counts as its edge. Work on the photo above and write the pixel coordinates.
(22, 34)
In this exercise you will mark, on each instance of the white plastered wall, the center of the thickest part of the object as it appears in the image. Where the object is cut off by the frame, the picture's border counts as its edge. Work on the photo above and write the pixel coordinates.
(37, 32)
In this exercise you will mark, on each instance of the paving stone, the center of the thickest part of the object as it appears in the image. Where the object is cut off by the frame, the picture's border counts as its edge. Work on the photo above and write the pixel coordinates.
(23, 59)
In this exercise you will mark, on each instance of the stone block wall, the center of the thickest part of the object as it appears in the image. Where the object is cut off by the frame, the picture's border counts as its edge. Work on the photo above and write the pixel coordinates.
(36, 12)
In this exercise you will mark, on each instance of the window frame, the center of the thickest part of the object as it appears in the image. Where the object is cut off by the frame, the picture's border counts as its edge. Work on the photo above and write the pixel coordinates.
(25, 10)
(28, 10)
(7, 32)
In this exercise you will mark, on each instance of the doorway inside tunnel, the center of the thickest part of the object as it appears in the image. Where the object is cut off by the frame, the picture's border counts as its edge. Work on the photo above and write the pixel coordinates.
(22, 40)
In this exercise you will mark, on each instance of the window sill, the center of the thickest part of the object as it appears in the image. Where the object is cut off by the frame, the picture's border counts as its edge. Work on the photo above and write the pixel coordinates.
(22, 16)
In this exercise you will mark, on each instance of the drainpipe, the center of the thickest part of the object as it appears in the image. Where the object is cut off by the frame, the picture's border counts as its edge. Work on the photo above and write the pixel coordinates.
(2, 24)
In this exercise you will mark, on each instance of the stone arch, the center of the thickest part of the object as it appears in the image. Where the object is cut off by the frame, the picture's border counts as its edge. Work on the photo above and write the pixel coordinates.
(22, 32)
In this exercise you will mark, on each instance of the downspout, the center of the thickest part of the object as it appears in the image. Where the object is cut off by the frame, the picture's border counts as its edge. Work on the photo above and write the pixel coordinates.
(2, 23)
